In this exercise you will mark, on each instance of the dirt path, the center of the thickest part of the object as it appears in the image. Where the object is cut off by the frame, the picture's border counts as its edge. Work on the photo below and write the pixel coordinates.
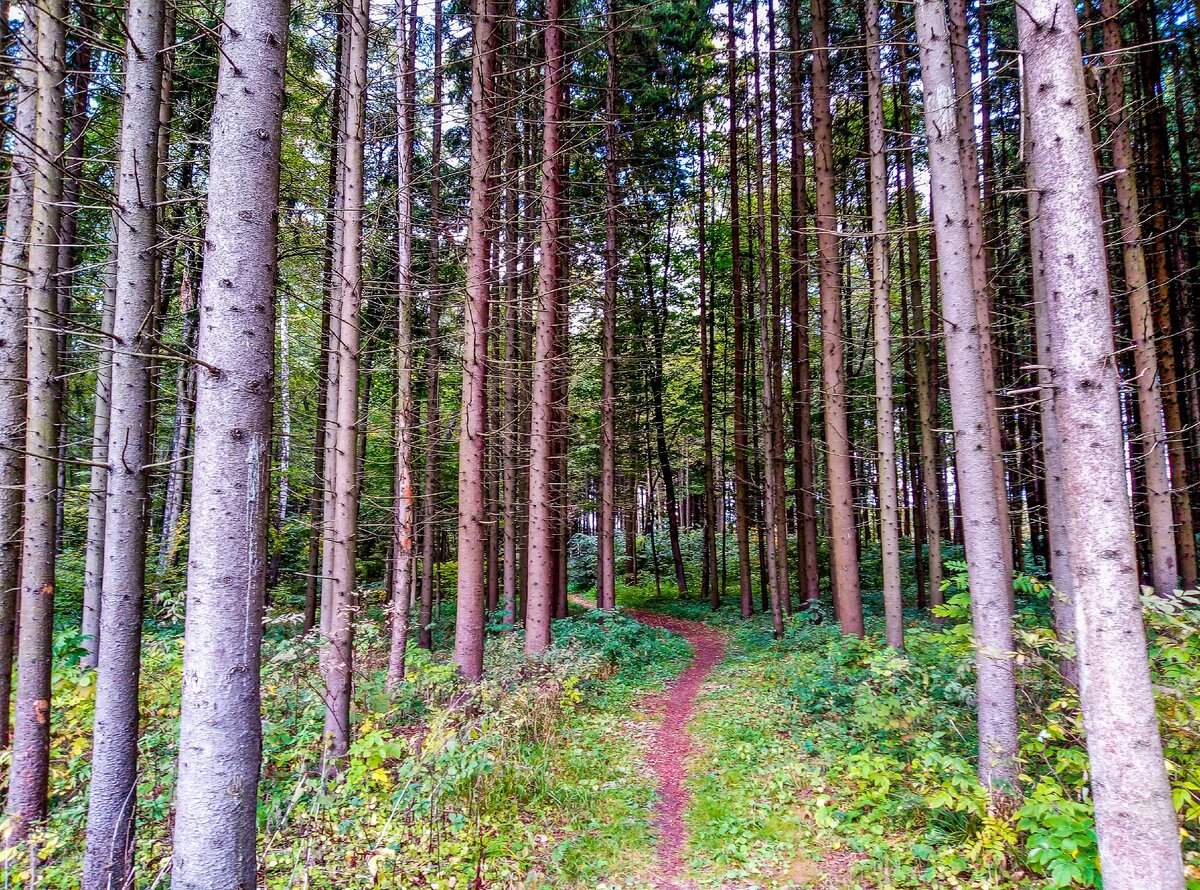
(672, 744)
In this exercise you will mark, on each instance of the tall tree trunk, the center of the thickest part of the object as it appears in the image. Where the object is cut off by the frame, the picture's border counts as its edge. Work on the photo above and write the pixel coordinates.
(711, 581)
(285, 440)
(606, 597)
(922, 361)
(512, 356)
(775, 537)
(741, 469)
(433, 413)
(14, 268)
(1136, 827)
(472, 531)
(402, 553)
(843, 548)
(93, 572)
(220, 740)
(29, 771)
(1164, 570)
(542, 524)
(964, 109)
(1063, 602)
(108, 857)
(342, 470)
(185, 385)
(986, 540)
(802, 454)
(881, 299)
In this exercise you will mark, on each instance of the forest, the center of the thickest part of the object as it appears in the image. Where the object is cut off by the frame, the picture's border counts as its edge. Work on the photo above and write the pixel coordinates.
(599, 444)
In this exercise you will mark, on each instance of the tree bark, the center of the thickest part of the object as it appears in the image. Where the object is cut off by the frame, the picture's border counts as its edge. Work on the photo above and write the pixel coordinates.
(405, 529)
(93, 572)
(220, 742)
(1136, 827)
(988, 572)
(108, 857)
(606, 596)
(802, 453)
(342, 521)
(433, 413)
(881, 299)
(14, 267)
(29, 771)
(843, 548)
(472, 531)
(922, 361)
(741, 469)
(1164, 569)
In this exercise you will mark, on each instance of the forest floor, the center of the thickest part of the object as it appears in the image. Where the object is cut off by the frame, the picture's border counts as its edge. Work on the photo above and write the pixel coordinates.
(699, 843)
(672, 743)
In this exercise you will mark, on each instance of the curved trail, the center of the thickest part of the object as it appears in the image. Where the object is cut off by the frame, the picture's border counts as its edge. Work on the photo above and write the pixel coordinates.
(672, 743)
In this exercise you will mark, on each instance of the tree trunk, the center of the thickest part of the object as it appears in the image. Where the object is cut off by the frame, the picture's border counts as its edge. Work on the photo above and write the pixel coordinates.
(433, 413)
(402, 553)
(881, 298)
(843, 549)
(711, 581)
(220, 742)
(14, 266)
(741, 469)
(108, 857)
(185, 385)
(1164, 572)
(472, 532)
(986, 540)
(93, 573)
(775, 538)
(606, 597)
(1136, 827)
(802, 454)
(922, 361)
(342, 520)
(29, 772)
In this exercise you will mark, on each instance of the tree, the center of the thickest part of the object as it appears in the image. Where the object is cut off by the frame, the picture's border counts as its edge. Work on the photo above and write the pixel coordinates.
(472, 519)
(402, 553)
(1136, 828)
(1164, 571)
(741, 469)
(988, 572)
(220, 740)
(843, 555)
(108, 858)
(606, 596)
(337, 605)
(881, 301)
(14, 266)
(30, 768)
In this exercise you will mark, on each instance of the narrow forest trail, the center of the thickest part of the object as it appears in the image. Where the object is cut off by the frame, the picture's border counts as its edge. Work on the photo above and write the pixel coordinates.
(672, 744)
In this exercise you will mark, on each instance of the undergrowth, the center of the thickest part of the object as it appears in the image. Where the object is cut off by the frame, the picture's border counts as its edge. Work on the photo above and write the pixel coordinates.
(827, 749)
(526, 780)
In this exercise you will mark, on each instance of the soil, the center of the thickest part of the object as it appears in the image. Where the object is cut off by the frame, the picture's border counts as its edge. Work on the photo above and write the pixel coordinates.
(669, 751)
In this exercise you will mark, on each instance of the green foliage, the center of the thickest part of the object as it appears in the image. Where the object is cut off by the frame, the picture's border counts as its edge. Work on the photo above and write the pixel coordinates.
(528, 777)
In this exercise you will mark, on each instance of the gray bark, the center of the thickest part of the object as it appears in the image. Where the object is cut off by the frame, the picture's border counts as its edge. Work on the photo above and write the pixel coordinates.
(93, 571)
(220, 741)
(343, 469)
(13, 274)
(472, 519)
(881, 299)
(402, 554)
(986, 537)
(108, 855)
(1136, 827)
(29, 772)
